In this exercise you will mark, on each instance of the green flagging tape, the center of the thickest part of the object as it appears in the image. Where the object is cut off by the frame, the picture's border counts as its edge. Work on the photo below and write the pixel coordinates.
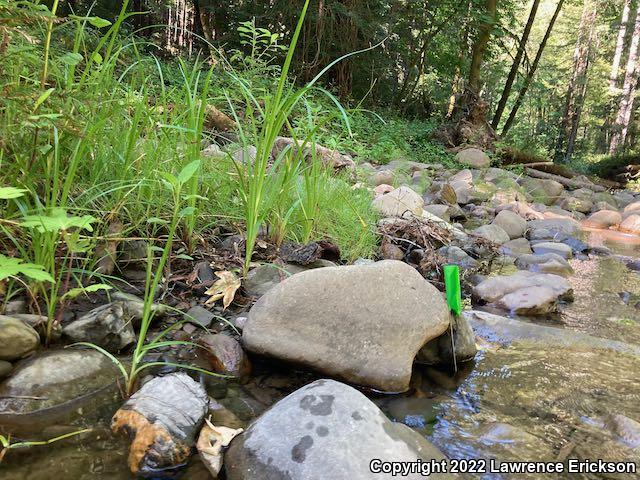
(452, 286)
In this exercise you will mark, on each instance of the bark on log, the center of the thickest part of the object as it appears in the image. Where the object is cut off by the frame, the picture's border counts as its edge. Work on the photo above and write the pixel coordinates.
(567, 182)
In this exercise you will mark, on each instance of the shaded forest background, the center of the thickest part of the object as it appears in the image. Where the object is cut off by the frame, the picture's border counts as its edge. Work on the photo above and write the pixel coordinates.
(556, 78)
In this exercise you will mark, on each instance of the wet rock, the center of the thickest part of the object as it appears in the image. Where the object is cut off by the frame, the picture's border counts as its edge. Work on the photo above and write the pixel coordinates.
(17, 339)
(361, 323)
(625, 429)
(439, 350)
(325, 430)
(457, 256)
(199, 315)
(60, 387)
(5, 369)
(163, 419)
(561, 249)
(493, 233)
(549, 228)
(631, 224)
(399, 202)
(524, 292)
(505, 433)
(226, 355)
(134, 306)
(519, 246)
(512, 223)
(545, 263)
(603, 219)
(108, 326)
(473, 157)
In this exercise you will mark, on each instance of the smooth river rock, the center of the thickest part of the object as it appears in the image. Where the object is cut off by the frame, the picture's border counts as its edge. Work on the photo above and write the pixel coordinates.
(398, 203)
(524, 292)
(108, 326)
(361, 323)
(325, 430)
(17, 339)
(57, 388)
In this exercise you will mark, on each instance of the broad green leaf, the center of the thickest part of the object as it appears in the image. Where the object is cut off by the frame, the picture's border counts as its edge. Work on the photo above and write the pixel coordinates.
(11, 192)
(188, 171)
(43, 98)
(74, 292)
(71, 58)
(10, 267)
(58, 220)
(96, 58)
(156, 220)
(187, 211)
(99, 22)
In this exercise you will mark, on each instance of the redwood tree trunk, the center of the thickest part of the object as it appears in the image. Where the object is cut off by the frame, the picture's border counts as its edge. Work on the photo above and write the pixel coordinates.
(577, 84)
(532, 71)
(480, 46)
(516, 64)
(625, 108)
(617, 56)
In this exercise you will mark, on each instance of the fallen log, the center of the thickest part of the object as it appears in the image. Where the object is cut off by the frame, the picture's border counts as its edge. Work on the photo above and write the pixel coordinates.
(571, 183)
(553, 168)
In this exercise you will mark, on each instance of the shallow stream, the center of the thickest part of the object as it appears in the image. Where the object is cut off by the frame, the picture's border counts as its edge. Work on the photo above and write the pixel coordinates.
(529, 395)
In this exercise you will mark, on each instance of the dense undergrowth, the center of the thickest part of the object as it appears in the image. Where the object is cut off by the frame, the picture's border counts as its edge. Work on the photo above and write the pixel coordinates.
(95, 129)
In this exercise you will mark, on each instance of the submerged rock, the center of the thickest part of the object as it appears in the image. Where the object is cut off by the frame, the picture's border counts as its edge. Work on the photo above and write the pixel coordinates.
(524, 292)
(5, 368)
(325, 430)
(545, 263)
(361, 323)
(439, 351)
(561, 249)
(226, 355)
(163, 419)
(108, 326)
(60, 387)
(17, 339)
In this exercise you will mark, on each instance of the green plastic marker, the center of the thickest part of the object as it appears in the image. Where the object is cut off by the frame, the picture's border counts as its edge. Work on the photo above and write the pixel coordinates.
(452, 287)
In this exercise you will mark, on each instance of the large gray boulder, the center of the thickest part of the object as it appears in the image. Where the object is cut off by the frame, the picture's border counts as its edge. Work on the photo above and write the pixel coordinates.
(440, 351)
(361, 323)
(493, 233)
(325, 430)
(17, 339)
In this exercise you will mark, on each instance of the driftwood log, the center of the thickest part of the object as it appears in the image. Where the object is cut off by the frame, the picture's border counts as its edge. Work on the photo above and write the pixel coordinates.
(571, 183)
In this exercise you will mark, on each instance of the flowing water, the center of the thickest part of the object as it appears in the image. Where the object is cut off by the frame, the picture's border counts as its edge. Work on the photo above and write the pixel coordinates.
(531, 393)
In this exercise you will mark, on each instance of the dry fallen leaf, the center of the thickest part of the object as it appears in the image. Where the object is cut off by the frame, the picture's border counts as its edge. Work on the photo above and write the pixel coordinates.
(210, 443)
(224, 288)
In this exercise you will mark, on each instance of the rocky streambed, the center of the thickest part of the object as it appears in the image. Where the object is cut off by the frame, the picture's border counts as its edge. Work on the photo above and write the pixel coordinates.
(335, 366)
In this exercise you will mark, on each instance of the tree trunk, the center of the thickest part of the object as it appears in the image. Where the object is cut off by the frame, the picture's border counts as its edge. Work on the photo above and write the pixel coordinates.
(628, 93)
(480, 46)
(516, 64)
(464, 48)
(577, 84)
(617, 56)
(532, 71)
